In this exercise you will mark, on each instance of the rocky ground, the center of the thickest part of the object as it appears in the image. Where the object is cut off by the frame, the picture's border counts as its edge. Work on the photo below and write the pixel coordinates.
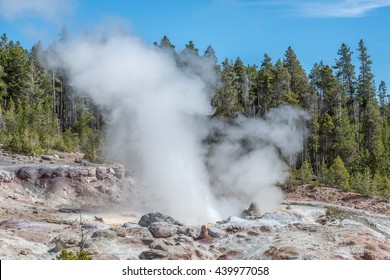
(47, 203)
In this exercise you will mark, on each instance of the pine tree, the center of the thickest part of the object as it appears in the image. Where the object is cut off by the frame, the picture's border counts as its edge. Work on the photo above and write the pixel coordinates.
(15, 67)
(264, 82)
(209, 54)
(327, 139)
(345, 73)
(190, 48)
(253, 77)
(324, 174)
(3, 86)
(225, 101)
(304, 174)
(281, 87)
(242, 85)
(345, 144)
(299, 82)
(339, 175)
(370, 118)
(166, 44)
(383, 99)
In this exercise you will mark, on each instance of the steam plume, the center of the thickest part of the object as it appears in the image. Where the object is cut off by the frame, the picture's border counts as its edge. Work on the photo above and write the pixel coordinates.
(158, 123)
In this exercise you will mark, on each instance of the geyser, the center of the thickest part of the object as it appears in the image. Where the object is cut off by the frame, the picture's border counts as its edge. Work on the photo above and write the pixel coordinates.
(158, 120)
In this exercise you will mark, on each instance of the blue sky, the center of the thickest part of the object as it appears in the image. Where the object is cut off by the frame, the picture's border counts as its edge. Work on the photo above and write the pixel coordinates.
(245, 28)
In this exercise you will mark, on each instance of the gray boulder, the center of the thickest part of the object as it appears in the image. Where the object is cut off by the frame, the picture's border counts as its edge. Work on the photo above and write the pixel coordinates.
(108, 234)
(158, 244)
(6, 176)
(101, 172)
(153, 217)
(217, 232)
(47, 157)
(162, 230)
(153, 255)
(119, 171)
(27, 173)
(252, 212)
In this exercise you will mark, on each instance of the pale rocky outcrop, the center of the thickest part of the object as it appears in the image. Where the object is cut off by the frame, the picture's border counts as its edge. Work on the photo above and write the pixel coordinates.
(41, 203)
(6, 176)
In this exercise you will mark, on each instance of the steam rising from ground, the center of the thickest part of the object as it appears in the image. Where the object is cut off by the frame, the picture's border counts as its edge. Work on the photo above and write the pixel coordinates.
(159, 126)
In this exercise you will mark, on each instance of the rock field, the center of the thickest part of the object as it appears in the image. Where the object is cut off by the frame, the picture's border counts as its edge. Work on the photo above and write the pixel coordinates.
(48, 202)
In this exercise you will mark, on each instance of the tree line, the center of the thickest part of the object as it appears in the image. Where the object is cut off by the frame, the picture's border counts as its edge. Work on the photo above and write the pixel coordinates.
(348, 142)
(39, 110)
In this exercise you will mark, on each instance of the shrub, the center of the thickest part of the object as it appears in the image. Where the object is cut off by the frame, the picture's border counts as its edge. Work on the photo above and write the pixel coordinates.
(69, 255)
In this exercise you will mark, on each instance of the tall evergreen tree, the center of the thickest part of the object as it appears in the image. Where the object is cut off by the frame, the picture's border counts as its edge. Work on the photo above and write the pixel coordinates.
(226, 101)
(264, 82)
(370, 118)
(209, 54)
(253, 75)
(166, 44)
(383, 98)
(299, 82)
(15, 65)
(190, 48)
(281, 86)
(336, 134)
(345, 73)
(242, 85)
(3, 86)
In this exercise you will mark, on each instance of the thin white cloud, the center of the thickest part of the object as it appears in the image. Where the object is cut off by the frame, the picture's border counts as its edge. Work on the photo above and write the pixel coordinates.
(343, 8)
(47, 9)
(318, 8)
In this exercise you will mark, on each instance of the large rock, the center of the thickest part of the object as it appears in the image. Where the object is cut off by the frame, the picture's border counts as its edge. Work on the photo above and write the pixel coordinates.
(47, 157)
(252, 212)
(6, 176)
(153, 255)
(27, 173)
(45, 172)
(59, 172)
(108, 234)
(101, 172)
(119, 171)
(217, 232)
(147, 219)
(76, 172)
(282, 253)
(158, 244)
(204, 234)
(162, 230)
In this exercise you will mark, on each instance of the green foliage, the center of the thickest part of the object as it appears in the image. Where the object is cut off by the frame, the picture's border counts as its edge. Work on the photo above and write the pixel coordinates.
(384, 186)
(89, 137)
(299, 82)
(69, 255)
(338, 174)
(69, 141)
(364, 183)
(282, 91)
(226, 99)
(37, 107)
(324, 174)
(303, 175)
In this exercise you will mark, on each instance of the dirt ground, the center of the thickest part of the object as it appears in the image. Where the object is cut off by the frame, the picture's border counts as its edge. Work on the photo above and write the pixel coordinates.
(336, 196)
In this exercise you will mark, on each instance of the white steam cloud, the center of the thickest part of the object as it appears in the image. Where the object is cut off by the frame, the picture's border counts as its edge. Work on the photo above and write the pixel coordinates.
(159, 126)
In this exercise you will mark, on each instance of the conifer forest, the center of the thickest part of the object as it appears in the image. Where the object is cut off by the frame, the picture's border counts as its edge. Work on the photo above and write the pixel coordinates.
(348, 139)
